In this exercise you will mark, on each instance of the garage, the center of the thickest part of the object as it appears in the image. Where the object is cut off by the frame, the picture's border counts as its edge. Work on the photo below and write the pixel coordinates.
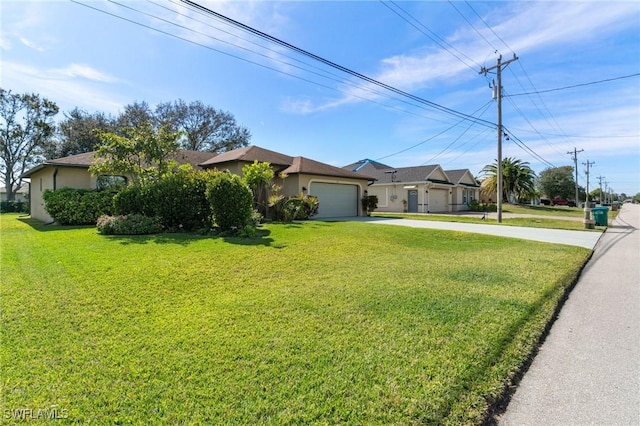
(438, 200)
(336, 200)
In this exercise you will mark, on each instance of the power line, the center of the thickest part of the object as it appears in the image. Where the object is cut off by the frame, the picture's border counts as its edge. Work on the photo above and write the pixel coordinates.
(340, 67)
(577, 85)
(472, 27)
(415, 23)
(487, 25)
(368, 89)
(426, 140)
(520, 83)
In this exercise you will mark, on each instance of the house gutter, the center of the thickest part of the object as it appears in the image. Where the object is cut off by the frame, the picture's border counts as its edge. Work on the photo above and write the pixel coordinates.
(55, 174)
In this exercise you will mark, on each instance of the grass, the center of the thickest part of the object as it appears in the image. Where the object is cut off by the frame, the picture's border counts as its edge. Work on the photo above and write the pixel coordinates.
(312, 323)
(558, 217)
(560, 211)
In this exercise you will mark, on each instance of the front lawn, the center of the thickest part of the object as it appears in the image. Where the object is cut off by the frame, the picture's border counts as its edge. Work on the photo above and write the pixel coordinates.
(312, 323)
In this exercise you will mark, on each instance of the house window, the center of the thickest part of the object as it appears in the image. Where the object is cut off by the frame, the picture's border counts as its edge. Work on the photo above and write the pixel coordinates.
(464, 196)
(105, 181)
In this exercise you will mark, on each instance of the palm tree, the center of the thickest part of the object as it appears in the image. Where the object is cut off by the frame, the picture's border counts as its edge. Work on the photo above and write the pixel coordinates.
(518, 180)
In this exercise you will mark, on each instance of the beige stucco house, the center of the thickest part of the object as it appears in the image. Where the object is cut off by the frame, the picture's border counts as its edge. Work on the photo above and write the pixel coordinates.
(421, 189)
(73, 172)
(21, 194)
(339, 191)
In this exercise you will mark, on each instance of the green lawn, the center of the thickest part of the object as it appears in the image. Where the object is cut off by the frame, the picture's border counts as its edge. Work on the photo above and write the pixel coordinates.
(312, 323)
(551, 217)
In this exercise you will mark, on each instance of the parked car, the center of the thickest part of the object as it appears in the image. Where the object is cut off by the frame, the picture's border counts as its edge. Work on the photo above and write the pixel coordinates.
(563, 202)
(545, 202)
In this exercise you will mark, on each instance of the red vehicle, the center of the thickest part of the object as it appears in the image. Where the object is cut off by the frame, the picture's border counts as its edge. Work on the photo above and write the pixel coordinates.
(562, 202)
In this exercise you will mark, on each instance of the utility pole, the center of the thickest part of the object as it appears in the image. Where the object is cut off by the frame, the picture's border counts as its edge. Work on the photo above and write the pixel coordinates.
(588, 222)
(601, 193)
(574, 157)
(589, 164)
(606, 191)
(498, 96)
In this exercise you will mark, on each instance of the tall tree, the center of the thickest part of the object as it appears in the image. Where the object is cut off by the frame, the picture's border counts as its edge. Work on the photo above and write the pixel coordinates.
(557, 182)
(77, 133)
(137, 114)
(142, 153)
(204, 128)
(26, 128)
(518, 179)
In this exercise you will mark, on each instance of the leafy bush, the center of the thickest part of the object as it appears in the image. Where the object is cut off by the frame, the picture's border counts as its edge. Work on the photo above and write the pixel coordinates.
(287, 209)
(133, 224)
(231, 201)
(179, 200)
(70, 206)
(14, 207)
(369, 203)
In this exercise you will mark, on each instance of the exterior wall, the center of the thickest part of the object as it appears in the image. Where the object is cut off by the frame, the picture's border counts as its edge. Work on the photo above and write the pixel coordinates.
(393, 198)
(19, 196)
(462, 196)
(67, 177)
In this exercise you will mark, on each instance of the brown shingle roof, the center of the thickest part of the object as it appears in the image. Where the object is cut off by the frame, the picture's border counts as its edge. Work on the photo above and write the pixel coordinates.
(401, 174)
(249, 154)
(85, 160)
(312, 167)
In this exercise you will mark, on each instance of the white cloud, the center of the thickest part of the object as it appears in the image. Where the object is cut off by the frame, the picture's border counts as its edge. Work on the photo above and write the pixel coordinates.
(80, 86)
(82, 71)
(31, 44)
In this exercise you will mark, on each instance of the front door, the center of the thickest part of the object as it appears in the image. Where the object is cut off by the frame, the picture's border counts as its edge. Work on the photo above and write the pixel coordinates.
(413, 201)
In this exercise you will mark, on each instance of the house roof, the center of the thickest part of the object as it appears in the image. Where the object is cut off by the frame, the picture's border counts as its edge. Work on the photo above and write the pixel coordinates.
(359, 166)
(403, 174)
(456, 176)
(86, 159)
(249, 154)
(289, 165)
(312, 167)
(24, 189)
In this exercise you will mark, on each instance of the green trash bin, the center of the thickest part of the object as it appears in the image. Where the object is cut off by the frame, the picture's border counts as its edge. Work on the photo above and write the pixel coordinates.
(601, 215)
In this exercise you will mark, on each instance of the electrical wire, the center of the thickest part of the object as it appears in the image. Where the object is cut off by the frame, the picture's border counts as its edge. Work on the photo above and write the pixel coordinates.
(472, 27)
(415, 23)
(428, 139)
(577, 85)
(344, 69)
(254, 62)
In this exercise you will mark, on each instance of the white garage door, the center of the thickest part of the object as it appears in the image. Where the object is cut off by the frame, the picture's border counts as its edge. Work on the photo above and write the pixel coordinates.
(438, 200)
(336, 200)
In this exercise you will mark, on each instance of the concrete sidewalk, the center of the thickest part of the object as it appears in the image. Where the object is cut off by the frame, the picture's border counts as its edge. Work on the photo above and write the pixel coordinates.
(587, 239)
(587, 372)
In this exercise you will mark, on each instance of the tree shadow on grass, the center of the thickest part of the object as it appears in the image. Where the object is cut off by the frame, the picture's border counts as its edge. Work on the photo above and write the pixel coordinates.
(41, 226)
(260, 239)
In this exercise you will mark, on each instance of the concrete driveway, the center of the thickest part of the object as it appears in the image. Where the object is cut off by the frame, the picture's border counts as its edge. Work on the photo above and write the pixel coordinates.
(587, 239)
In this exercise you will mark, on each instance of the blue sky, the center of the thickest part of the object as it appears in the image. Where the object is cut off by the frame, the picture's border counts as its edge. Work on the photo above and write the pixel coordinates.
(78, 56)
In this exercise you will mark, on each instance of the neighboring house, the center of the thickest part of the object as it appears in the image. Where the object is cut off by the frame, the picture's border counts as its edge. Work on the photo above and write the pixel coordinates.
(338, 190)
(73, 172)
(22, 194)
(421, 189)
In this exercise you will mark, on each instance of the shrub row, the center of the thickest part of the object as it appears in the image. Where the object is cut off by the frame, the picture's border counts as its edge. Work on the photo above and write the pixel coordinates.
(14, 207)
(133, 224)
(178, 200)
(70, 206)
